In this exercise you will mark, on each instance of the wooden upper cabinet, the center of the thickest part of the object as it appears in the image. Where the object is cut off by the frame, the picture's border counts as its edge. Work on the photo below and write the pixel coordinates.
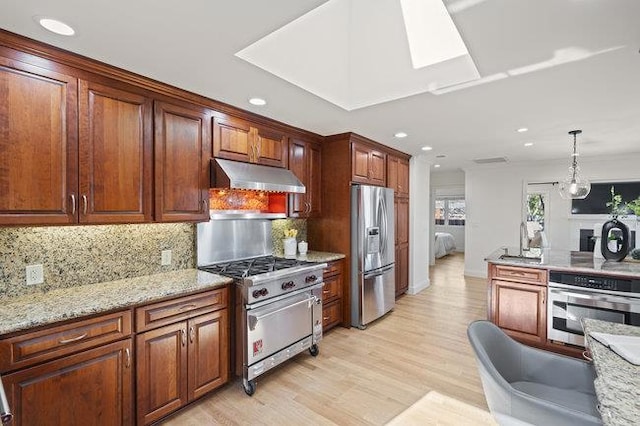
(368, 165)
(305, 163)
(398, 175)
(240, 140)
(38, 144)
(182, 154)
(115, 155)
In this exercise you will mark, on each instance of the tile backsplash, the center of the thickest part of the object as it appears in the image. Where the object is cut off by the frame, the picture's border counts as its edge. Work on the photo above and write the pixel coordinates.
(77, 255)
(277, 232)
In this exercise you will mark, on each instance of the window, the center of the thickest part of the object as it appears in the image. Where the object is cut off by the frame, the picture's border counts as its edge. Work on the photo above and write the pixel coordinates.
(450, 212)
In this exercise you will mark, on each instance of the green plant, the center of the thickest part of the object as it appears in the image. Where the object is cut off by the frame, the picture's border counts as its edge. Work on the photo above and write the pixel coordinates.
(617, 206)
(635, 206)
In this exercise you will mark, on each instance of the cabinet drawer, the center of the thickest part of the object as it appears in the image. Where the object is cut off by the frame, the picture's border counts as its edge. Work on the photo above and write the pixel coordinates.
(332, 288)
(331, 314)
(31, 348)
(514, 273)
(170, 311)
(333, 268)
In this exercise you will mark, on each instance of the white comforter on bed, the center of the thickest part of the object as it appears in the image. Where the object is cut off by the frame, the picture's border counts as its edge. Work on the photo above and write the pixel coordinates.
(445, 244)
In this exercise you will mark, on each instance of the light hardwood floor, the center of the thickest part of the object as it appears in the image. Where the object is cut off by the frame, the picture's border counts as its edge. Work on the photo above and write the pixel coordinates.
(368, 377)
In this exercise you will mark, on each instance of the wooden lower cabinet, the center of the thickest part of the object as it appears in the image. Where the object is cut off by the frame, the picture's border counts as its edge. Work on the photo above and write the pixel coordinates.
(180, 362)
(402, 269)
(92, 387)
(520, 310)
(332, 295)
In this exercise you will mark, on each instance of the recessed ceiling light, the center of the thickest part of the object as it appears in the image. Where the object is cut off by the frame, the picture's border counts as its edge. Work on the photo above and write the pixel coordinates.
(426, 148)
(257, 101)
(436, 165)
(528, 144)
(56, 26)
(401, 135)
(522, 130)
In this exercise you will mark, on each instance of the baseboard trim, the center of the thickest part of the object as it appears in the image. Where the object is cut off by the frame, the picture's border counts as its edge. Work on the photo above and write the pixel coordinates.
(418, 287)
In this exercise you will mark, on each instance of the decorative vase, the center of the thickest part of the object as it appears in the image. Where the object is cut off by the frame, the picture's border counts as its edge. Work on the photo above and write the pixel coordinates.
(289, 247)
(619, 247)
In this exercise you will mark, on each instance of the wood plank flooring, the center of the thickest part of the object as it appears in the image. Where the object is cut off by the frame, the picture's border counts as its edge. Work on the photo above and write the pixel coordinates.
(367, 377)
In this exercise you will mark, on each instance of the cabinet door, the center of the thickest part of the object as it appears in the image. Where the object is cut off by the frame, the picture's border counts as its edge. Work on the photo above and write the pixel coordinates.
(305, 162)
(182, 154)
(392, 173)
(161, 371)
(402, 269)
(92, 387)
(519, 309)
(208, 353)
(115, 158)
(403, 177)
(38, 145)
(232, 139)
(359, 163)
(378, 168)
(402, 220)
(271, 147)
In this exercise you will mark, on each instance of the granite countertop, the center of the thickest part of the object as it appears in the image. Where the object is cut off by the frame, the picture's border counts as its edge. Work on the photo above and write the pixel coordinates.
(564, 260)
(23, 312)
(618, 381)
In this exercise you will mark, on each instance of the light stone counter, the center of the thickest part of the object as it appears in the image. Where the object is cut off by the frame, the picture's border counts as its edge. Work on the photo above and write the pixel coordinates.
(618, 381)
(564, 260)
(23, 312)
(320, 256)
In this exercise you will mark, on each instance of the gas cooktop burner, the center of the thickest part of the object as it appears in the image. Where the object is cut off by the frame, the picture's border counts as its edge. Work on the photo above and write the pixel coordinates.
(249, 267)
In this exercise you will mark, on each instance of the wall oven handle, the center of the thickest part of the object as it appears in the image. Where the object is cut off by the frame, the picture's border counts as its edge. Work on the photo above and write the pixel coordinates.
(254, 319)
(592, 296)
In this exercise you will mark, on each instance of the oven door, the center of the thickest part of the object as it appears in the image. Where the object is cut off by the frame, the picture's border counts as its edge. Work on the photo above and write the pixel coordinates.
(276, 325)
(566, 308)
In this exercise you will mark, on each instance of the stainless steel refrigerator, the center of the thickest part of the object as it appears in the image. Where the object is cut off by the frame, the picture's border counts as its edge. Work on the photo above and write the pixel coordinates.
(372, 253)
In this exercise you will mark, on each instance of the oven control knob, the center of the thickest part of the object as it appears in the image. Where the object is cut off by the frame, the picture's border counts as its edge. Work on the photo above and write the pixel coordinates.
(310, 279)
(261, 292)
(288, 285)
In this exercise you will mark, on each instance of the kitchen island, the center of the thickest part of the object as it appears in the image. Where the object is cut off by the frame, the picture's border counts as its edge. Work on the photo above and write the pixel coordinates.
(618, 381)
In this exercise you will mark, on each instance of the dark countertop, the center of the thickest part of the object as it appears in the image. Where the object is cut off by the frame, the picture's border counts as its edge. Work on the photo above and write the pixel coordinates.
(574, 261)
(24, 312)
(618, 381)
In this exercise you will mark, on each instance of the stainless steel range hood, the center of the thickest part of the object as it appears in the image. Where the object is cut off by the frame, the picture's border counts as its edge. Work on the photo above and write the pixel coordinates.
(237, 175)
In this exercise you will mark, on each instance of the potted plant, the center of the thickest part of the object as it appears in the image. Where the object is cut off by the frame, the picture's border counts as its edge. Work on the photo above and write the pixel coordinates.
(615, 244)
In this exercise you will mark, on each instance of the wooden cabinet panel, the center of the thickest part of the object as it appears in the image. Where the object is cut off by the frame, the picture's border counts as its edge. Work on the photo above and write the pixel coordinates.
(93, 387)
(271, 147)
(518, 274)
(402, 220)
(161, 356)
(360, 163)
(37, 346)
(378, 173)
(368, 165)
(179, 309)
(332, 288)
(115, 154)
(38, 144)
(182, 154)
(208, 353)
(331, 314)
(520, 310)
(398, 175)
(402, 269)
(305, 162)
(333, 268)
(332, 294)
(232, 139)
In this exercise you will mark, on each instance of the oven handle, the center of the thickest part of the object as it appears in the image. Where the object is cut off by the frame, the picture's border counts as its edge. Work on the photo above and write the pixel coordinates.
(594, 298)
(254, 319)
(5, 411)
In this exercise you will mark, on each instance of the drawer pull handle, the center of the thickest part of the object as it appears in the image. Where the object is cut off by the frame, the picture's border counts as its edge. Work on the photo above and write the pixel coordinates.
(325, 291)
(127, 357)
(73, 339)
(586, 355)
(326, 318)
(189, 306)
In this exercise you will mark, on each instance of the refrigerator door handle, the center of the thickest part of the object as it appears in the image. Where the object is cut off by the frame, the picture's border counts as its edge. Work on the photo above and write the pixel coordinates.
(378, 272)
(384, 227)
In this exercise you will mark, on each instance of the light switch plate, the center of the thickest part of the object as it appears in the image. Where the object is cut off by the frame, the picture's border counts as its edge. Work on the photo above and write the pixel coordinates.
(165, 258)
(35, 274)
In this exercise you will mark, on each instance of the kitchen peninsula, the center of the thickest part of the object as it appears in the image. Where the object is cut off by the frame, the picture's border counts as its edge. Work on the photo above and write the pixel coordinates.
(539, 298)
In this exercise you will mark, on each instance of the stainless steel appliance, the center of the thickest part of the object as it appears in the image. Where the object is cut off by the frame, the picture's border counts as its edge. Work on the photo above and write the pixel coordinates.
(5, 412)
(278, 301)
(372, 253)
(573, 296)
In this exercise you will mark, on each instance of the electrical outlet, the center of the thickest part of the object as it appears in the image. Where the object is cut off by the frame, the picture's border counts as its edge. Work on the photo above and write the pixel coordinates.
(165, 257)
(35, 274)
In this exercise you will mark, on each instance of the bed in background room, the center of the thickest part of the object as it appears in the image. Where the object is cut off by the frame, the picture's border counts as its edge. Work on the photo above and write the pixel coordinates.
(444, 245)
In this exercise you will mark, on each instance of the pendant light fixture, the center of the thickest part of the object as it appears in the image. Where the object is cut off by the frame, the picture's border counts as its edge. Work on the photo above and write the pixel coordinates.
(574, 187)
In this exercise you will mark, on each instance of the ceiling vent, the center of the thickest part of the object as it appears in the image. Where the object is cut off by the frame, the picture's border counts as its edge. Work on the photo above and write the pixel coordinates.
(490, 160)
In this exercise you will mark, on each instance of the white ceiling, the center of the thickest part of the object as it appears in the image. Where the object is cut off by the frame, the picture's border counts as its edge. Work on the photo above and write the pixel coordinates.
(549, 65)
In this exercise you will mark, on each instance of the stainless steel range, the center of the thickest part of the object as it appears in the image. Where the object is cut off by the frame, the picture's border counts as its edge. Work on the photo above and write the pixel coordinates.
(278, 301)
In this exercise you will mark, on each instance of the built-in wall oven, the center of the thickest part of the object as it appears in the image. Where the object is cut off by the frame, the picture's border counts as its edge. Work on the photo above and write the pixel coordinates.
(573, 296)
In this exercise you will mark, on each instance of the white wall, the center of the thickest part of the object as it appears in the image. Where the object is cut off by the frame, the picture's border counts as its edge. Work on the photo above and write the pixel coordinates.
(419, 228)
(494, 200)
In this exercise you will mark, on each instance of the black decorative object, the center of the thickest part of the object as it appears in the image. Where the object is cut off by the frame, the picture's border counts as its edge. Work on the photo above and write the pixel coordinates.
(615, 230)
